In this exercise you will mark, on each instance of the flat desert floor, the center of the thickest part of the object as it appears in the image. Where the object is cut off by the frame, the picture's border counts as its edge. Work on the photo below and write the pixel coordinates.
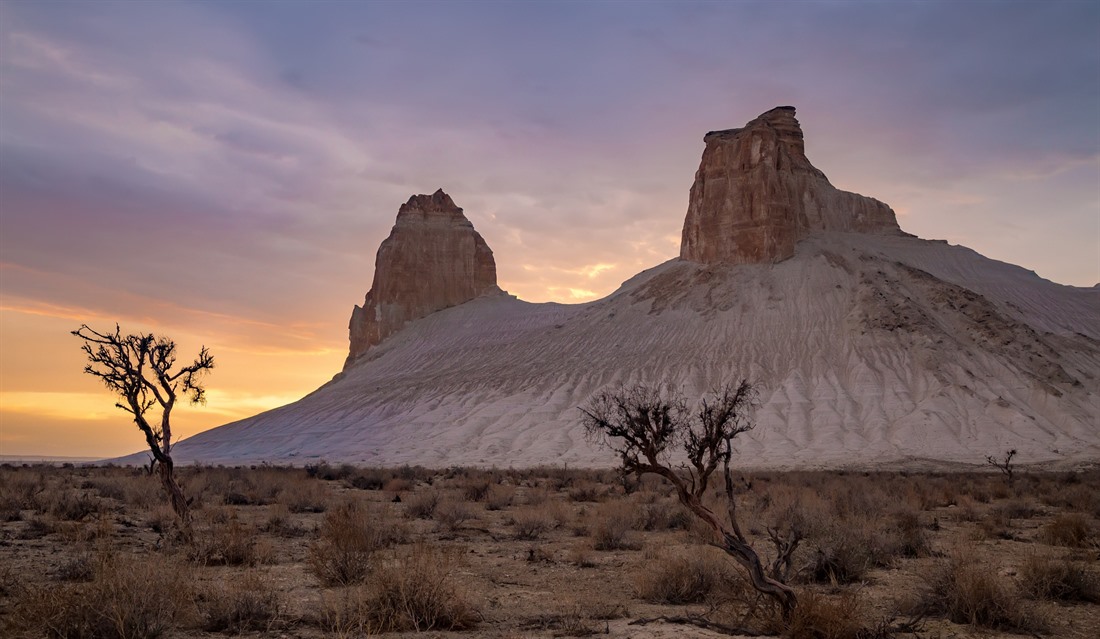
(345, 552)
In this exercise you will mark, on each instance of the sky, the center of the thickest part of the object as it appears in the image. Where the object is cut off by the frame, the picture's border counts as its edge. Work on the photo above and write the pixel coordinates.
(223, 172)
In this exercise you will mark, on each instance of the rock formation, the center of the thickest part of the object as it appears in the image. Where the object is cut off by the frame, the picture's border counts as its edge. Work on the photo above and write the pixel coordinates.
(756, 195)
(871, 349)
(433, 259)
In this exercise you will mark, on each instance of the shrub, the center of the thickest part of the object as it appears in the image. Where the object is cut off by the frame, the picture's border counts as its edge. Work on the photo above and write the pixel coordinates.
(967, 591)
(126, 599)
(677, 579)
(279, 522)
(476, 489)
(422, 505)
(531, 523)
(74, 506)
(820, 617)
(1070, 529)
(247, 603)
(451, 514)
(664, 515)
(1058, 579)
(419, 590)
(587, 491)
(844, 555)
(369, 479)
(613, 528)
(349, 536)
(499, 497)
(305, 497)
(224, 544)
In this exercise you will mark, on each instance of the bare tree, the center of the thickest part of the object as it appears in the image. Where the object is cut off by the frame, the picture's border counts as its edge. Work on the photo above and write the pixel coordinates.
(138, 368)
(1004, 466)
(648, 428)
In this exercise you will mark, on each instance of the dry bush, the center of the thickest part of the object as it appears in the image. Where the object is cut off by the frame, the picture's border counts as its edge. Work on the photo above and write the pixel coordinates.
(126, 599)
(18, 491)
(418, 590)
(1059, 580)
(328, 472)
(74, 505)
(304, 497)
(399, 485)
(1017, 509)
(348, 537)
(499, 497)
(614, 528)
(162, 519)
(451, 514)
(536, 496)
(587, 491)
(821, 617)
(81, 567)
(664, 514)
(475, 488)
(36, 528)
(1068, 529)
(347, 613)
(580, 555)
(422, 505)
(903, 535)
(679, 578)
(1077, 492)
(844, 559)
(966, 591)
(231, 543)
(995, 525)
(369, 479)
(248, 602)
(280, 522)
(531, 523)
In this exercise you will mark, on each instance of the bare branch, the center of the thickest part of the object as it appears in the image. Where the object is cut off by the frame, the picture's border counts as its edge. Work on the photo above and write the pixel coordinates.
(138, 369)
(644, 425)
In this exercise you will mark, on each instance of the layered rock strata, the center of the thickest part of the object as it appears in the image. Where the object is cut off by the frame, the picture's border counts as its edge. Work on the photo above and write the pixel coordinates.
(433, 259)
(756, 195)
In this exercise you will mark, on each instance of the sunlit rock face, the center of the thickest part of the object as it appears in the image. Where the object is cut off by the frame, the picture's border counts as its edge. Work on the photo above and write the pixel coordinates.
(433, 259)
(756, 195)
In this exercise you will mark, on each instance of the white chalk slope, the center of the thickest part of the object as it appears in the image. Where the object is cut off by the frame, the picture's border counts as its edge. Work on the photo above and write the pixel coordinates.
(866, 350)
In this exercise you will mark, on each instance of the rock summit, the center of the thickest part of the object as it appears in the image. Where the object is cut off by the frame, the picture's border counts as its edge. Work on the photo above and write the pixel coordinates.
(433, 259)
(756, 195)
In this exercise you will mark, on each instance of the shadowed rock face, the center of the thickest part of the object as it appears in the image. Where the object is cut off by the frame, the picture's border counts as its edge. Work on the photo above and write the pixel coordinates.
(756, 195)
(432, 260)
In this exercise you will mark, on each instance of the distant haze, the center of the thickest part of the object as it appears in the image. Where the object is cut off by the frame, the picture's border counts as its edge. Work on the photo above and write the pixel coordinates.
(224, 172)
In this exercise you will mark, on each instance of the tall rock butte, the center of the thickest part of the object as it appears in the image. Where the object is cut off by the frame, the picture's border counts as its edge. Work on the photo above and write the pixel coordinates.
(756, 195)
(433, 259)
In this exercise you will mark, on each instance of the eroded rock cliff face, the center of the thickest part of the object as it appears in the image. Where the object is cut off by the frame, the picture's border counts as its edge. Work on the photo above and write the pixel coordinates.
(756, 195)
(433, 259)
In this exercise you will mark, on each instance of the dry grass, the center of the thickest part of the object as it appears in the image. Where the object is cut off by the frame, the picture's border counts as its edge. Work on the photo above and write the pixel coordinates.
(125, 599)
(417, 589)
(1059, 580)
(352, 563)
(966, 591)
(531, 523)
(1069, 529)
(614, 528)
(250, 602)
(821, 617)
(680, 577)
(348, 538)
